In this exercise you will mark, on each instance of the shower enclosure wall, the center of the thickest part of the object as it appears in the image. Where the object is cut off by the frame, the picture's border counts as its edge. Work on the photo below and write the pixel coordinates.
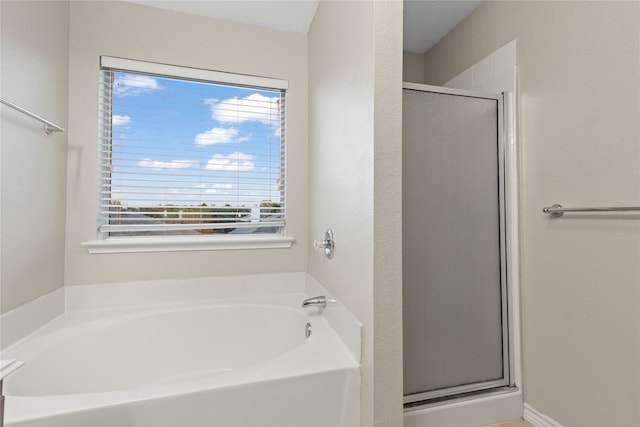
(456, 316)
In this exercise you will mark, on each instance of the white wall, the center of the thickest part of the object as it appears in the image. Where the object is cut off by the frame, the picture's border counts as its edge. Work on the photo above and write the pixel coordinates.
(495, 73)
(412, 67)
(387, 211)
(579, 87)
(137, 32)
(354, 163)
(34, 71)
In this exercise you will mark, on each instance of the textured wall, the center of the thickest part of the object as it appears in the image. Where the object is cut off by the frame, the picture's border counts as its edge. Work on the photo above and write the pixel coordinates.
(412, 67)
(387, 211)
(354, 163)
(579, 103)
(34, 44)
(341, 59)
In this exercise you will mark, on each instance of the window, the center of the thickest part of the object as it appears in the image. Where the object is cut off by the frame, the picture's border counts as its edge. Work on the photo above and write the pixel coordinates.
(189, 152)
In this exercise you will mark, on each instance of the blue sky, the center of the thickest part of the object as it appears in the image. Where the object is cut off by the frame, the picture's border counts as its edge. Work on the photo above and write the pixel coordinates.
(202, 143)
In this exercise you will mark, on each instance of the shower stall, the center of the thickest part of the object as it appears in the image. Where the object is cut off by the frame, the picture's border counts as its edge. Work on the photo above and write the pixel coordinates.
(457, 254)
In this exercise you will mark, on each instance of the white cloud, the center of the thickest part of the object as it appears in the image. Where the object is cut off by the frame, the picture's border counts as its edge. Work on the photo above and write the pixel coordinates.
(220, 188)
(255, 107)
(218, 136)
(173, 164)
(117, 120)
(235, 162)
(223, 186)
(134, 84)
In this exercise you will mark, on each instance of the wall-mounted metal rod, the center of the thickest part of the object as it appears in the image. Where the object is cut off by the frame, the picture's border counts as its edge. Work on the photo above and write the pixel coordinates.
(48, 126)
(557, 210)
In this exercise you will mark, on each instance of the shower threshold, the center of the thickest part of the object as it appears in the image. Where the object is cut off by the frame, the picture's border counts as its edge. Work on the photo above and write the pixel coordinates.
(459, 397)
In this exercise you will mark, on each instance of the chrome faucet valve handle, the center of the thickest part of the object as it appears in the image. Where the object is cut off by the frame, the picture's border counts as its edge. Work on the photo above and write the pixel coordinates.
(327, 244)
(320, 244)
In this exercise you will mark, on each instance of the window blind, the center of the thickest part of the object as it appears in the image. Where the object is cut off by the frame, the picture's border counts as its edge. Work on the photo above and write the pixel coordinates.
(187, 156)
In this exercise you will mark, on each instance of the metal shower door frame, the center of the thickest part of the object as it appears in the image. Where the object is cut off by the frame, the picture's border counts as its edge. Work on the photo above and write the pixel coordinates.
(508, 365)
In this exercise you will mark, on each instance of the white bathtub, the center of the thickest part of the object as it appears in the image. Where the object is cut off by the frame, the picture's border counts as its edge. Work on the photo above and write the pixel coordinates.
(241, 361)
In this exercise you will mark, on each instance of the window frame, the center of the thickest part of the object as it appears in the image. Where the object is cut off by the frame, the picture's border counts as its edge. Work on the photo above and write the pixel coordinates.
(162, 243)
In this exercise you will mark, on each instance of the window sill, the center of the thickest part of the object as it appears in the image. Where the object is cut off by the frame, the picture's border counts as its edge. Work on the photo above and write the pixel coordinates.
(179, 244)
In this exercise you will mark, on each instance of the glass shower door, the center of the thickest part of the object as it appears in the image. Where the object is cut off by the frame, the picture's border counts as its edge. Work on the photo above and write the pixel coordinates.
(454, 266)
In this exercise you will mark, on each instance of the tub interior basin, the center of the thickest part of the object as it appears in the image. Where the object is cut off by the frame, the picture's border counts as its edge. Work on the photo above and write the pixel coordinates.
(132, 351)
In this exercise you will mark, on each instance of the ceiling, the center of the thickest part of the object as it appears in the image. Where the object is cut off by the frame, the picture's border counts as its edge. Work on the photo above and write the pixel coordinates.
(425, 21)
(284, 15)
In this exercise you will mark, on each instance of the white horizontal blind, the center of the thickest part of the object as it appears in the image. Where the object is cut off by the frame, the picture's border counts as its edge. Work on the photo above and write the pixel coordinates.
(180, 156)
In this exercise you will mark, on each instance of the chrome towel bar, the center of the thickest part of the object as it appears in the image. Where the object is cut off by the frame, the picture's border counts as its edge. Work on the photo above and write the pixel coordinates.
(557, 210)
(48, 126)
